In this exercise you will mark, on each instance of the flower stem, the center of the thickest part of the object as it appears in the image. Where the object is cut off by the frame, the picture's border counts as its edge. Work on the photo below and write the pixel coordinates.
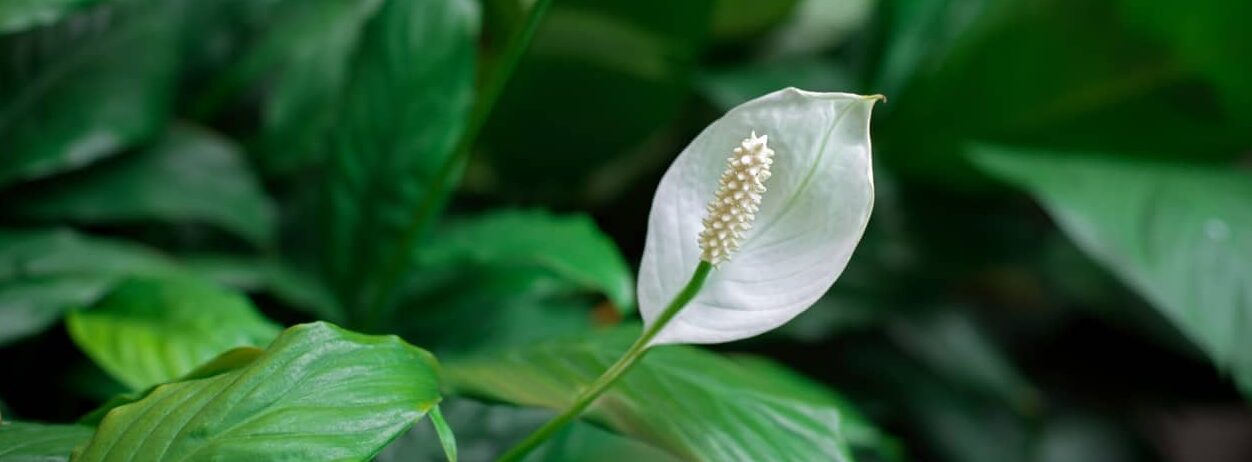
(623, 364)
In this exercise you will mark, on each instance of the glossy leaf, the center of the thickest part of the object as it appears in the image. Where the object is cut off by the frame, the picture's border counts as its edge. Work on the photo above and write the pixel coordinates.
(191, 175)
(151, 331)
(401, 116)
(43, 273)
(572, 247)
(75, 92)
(32, 442)
(318, 393)
(1180, 236)
(692, 403)
(19, 15)
(811, 218)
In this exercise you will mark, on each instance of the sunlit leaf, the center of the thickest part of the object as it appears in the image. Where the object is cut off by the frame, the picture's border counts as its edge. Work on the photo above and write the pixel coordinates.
(812, 216)
(75, 92)
(146, 332)
(191, 175)
(692, 403)
(1181, 236)
(317, 393)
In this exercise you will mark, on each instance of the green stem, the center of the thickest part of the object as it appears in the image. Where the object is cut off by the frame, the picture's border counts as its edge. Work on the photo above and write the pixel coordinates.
(623, 364)
(452, 167)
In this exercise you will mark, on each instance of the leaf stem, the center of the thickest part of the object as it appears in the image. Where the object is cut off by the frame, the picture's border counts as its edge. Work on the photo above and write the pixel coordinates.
(452, 167)
(614, 372)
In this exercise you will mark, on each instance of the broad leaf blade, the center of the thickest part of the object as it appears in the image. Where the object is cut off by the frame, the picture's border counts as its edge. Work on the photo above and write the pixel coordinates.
(403, 112)
(152, 331)
(43, 273)
(76, 92)
(1181, 236)
(318, 393)
(810, 220)
(31, 442)
(190, 175)
(572, 247)
(693, 403)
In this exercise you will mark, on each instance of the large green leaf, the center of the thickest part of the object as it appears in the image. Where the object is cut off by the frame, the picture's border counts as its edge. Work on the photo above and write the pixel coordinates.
(317, 393)
(571, 247)
(18, 15)
(1180, 235)
(190, 175)
(77, 91)
(152, 331)
(404, 110)
(43, 273)
(31, 442)
(695, 404)
(608, 76)
(1117, 93)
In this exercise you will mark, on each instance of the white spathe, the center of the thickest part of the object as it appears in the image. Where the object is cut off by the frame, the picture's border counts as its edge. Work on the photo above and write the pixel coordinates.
(811, 218)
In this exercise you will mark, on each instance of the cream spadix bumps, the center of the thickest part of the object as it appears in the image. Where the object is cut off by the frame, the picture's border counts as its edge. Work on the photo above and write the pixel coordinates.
(777, 252)
(733, 209)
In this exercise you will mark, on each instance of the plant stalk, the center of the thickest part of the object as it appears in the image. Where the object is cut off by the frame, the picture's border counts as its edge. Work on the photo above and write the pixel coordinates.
(614, 372)
(451, 169)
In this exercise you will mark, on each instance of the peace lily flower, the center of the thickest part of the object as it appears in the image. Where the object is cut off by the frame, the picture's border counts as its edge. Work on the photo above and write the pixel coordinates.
(781, 258)
(752, 223)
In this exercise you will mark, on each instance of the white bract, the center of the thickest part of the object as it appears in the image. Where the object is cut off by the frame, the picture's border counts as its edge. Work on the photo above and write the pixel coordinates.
(799, 234)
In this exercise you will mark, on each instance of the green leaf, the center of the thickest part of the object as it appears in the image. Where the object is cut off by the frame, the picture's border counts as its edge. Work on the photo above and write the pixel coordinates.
(302, 57)
(43, 273)
(610, 77)
(19, 15)
(31, 442)
(318, 393)
(818, 25)
(401, 116)
(1179, 235)
(152, 331)
(75, 92)
(190, 175)
(571, 247)
(743, 19)
(692, 403)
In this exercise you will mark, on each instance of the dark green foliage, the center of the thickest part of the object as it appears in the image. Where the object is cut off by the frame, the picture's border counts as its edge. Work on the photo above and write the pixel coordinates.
(1058, 267)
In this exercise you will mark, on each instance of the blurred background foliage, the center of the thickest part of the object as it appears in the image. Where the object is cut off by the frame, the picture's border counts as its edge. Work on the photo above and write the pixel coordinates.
(1059, 266)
